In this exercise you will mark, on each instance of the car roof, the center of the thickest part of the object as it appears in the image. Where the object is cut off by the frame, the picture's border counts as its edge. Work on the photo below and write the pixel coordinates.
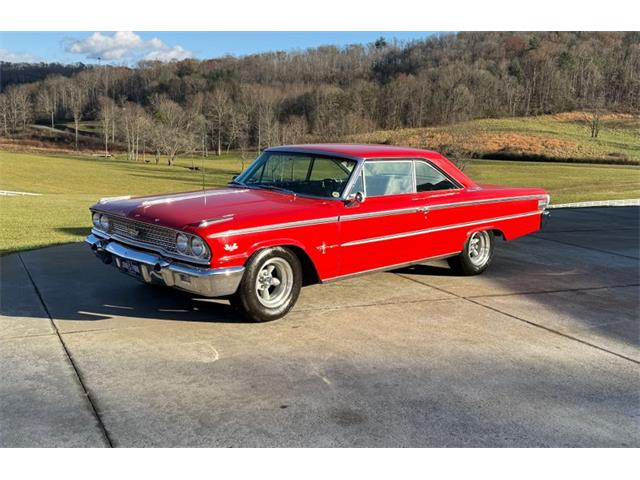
(358, 151)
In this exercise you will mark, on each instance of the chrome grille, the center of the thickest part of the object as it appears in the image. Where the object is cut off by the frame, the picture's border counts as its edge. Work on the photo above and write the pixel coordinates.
(159, 237)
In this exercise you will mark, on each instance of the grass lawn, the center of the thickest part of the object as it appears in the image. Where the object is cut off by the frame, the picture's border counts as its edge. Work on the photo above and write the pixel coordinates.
(566, 182)
(70, 184)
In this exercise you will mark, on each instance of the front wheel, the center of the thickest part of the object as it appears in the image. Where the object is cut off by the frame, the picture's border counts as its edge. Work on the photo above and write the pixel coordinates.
(270, 285)
(476, 255)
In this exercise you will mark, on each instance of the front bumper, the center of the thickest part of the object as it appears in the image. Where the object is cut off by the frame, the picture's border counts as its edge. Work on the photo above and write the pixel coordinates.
(208, 282)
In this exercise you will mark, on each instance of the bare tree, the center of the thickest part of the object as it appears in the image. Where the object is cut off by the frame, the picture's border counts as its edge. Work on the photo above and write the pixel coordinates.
(459, 141)
(18, 107)
(295, 129)
(238, 126)
(47, 99)
(4, 113)
(76, 102)
(136, 128)
(106, 116)
(174, 132)
(592, 116)
(199, 135)
(217, 108)
(593, 120)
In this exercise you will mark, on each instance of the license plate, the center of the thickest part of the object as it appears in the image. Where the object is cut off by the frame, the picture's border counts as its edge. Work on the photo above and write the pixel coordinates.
(130, 268)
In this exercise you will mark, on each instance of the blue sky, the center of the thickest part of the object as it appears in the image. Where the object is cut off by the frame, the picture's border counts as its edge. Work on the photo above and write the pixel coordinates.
(129, 47)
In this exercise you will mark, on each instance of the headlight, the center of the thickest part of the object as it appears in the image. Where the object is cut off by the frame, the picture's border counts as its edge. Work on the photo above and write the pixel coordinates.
(104, 223)
(95, 218)
(197, 247)
(182, 243)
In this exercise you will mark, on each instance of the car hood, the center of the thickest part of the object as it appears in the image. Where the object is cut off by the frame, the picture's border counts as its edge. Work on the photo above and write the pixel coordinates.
(222, 209)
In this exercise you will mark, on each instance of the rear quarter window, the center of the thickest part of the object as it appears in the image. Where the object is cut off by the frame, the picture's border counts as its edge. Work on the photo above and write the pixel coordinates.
(429, 178)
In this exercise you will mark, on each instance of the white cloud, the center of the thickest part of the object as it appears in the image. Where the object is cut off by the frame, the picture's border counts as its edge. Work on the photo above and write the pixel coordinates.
(126, 45)
(19, 57)
(166, 55)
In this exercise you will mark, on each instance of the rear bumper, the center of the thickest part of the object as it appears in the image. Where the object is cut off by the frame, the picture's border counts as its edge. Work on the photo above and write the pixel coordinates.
(544, 218)
(208, 282)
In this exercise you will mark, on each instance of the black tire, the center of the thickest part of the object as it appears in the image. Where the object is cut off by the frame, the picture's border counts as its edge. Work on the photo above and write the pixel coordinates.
(466, 263)
(251, 299)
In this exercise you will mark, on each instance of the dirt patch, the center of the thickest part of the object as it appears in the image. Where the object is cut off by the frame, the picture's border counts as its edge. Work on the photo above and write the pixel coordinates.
(522, 143)
(583, 116)
(479, 142)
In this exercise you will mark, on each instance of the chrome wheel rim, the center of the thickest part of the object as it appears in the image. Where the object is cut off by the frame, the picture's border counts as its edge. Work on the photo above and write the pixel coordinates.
(274, 282)
(479, 248)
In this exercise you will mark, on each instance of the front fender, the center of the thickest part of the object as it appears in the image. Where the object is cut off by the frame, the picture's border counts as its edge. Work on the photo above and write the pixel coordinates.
(236, 254)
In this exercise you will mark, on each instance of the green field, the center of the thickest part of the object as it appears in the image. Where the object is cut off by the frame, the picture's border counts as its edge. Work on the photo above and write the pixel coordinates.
(70, 184)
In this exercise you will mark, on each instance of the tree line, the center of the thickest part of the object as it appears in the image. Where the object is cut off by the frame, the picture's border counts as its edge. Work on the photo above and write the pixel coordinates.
(324, 93)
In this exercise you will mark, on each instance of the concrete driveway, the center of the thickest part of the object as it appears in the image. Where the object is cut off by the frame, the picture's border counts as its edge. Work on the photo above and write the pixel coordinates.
(542, 350)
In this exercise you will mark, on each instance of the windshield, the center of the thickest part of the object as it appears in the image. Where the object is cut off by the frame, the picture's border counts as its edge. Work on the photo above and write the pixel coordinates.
(299, 173)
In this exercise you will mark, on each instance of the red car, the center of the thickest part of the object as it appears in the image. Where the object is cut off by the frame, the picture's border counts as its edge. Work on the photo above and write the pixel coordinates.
(309, 214)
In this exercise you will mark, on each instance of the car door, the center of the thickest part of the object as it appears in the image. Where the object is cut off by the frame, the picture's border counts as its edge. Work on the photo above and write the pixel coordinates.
(434, 188)
(378, 232)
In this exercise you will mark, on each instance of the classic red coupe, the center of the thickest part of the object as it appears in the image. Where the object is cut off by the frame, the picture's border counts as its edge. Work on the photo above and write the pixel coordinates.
(309, 214)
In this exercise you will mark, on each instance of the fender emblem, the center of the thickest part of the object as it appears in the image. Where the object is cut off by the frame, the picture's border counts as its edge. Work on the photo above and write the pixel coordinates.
(230, 247)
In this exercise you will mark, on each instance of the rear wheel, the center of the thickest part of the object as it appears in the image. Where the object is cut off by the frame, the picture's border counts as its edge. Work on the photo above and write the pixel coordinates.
(476, 255)
(270, 286)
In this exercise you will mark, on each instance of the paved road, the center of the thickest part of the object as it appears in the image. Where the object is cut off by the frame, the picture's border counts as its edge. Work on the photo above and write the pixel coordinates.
(542, 350)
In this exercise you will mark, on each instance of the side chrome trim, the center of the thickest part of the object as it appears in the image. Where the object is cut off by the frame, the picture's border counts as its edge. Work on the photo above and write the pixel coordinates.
(359, 216)
(484, 201)
(383, 213)
(389, 267)
(438, 229)
(427, 208)
(276, 226)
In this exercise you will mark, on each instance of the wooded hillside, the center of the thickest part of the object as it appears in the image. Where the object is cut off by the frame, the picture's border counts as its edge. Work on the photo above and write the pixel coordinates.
(329, 92)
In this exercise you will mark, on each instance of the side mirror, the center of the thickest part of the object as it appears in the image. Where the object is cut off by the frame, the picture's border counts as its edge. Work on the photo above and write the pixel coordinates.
(233, 177)
(354, 199)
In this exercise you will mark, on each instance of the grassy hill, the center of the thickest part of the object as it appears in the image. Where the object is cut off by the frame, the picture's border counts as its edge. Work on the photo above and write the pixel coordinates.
(563, 137)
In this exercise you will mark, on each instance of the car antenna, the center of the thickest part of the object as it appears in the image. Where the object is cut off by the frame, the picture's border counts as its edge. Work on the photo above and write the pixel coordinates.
(203, 180)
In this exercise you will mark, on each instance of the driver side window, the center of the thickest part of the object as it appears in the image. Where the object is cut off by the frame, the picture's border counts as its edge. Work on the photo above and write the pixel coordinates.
(388, 177)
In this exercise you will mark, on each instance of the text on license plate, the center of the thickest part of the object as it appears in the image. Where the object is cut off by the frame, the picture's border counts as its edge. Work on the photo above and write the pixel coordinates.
(132, 268)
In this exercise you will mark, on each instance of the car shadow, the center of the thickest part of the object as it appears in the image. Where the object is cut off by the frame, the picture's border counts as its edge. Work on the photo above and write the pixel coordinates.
(76, 231)
(426, 270)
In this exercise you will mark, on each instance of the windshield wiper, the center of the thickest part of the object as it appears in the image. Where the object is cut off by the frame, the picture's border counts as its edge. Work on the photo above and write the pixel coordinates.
(236, 182)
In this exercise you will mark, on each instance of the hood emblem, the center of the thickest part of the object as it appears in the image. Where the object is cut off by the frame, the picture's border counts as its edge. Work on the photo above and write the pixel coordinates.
(230, 247)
